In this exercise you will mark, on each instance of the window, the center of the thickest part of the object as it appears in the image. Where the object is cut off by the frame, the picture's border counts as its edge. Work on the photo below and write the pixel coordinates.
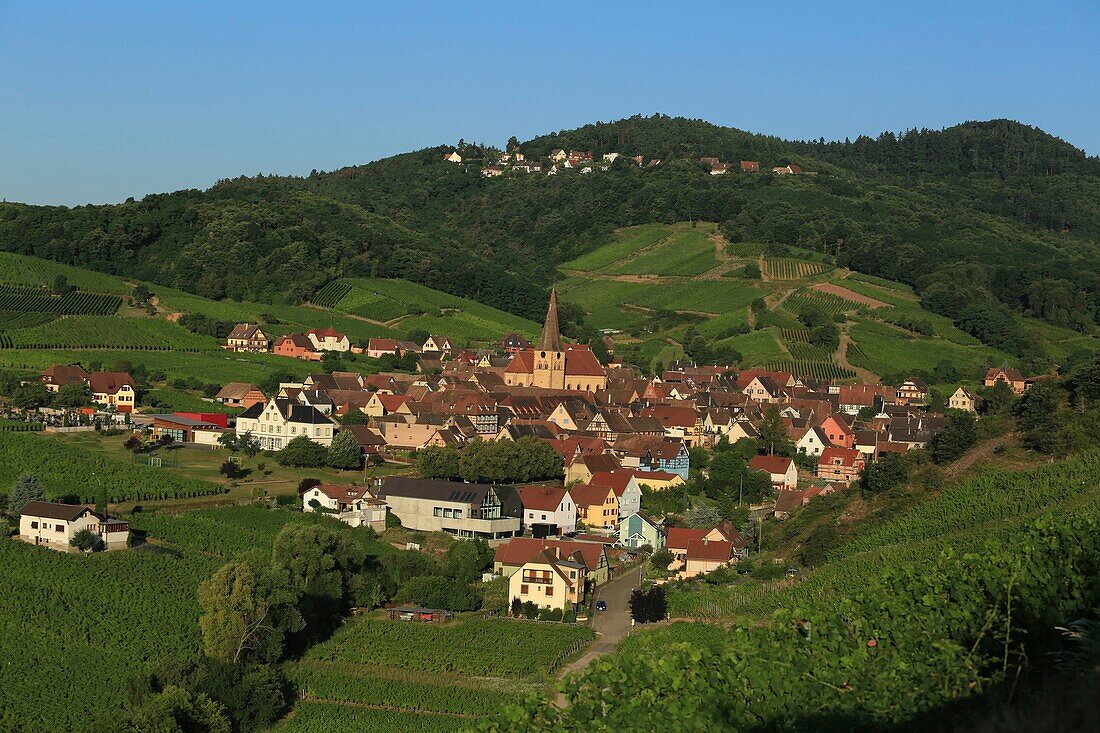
(448, 512)
(544, 517)
(34, 525)
(438, 512)
(458, 514)
(549, 590)
(60, 528)
(523, 589)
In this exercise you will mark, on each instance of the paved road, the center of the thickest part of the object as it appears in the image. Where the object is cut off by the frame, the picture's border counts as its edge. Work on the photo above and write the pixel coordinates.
(613, 624)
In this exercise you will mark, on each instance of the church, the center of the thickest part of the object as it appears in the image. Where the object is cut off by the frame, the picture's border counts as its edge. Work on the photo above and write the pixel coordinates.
(552, 365)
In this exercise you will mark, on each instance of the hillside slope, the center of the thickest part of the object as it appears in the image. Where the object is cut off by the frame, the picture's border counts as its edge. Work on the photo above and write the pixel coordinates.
(985, 220)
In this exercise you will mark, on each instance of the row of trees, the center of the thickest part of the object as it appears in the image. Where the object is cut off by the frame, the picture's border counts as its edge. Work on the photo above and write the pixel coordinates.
(505, 461)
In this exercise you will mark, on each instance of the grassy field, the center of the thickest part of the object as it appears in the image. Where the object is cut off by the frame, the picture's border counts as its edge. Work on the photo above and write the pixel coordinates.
(624, 243)
(406, 306)
(415, 676)
(681, 252)
(23, 270)
(882, 348)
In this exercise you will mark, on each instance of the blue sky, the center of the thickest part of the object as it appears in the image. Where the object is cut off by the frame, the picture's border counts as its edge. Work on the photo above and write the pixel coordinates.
(101, 101)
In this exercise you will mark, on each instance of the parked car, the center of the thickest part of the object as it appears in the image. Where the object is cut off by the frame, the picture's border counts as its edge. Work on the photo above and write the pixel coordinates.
(601, 605)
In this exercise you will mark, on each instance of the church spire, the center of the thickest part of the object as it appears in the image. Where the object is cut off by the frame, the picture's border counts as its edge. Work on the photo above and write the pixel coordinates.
(551, 338)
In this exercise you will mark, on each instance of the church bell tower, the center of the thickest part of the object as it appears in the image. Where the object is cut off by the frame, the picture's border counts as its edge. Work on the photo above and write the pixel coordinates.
(549, 372)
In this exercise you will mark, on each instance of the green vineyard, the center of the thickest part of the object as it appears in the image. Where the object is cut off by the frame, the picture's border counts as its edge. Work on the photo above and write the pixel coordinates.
(806, 352)
(73, 303)
(96, 332)
(804, 300)
(795, 335)
(790, 269)
(330, 295)
(815, 369)
(744, 249)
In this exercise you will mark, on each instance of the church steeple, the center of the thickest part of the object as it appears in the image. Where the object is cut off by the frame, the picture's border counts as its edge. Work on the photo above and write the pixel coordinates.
(551, 337)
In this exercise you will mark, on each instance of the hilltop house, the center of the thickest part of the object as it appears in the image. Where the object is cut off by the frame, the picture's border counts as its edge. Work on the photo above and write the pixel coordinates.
(1009, 376)
(54, 525)
(114, 389)
(465, 510)
(452, 157)
(61, 375)
(842, 465)
(282, 420)
(963, 399)
(247, 337)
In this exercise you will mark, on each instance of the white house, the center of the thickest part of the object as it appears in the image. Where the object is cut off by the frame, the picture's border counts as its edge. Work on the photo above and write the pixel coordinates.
(352, 505)
(452, 157)
(54, 525)
(328, 339)
(783, 472)
(548, 510)
(282, 420)
(441, 344)
(811, 442)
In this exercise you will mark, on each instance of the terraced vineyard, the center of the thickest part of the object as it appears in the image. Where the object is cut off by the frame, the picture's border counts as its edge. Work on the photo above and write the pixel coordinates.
(24, 270)
(804, 300)
(791, 269)
(73, 303)
(806, 352)
(744, 249)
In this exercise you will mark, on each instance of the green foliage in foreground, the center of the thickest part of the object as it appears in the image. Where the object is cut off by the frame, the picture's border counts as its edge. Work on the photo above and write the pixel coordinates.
(915, 637)
(319, 717)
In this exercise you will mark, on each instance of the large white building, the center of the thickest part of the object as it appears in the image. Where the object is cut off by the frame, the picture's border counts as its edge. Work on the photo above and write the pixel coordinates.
(282, 420)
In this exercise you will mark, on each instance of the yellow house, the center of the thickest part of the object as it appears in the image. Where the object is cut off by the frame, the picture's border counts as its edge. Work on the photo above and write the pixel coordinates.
(963, 399)
(597, 506)
(549, 580)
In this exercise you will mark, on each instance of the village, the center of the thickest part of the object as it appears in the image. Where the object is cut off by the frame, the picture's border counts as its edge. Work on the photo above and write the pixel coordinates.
(620, 444)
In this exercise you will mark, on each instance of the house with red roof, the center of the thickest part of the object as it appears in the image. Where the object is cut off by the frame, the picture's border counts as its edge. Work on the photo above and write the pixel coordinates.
(705, 555)
(842, 465)
(512, 555)
(1009, 376)
(379, 347)
(296, 346)
(597, 506)
(113, 389)
(548, 510)
(781, 470)
(62, 375)
(839, 431)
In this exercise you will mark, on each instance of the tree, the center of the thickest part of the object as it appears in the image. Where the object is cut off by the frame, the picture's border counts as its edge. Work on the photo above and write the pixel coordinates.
(702, 516)
(821, 540)
(888, 471)
(438, 462)
(27, 488)
(661, 559)
(773, 434)
(72, 395)
(247, 611)
(228, 441)
(230, 470)
(751, 271)
(30, 395)
(248, 444)
(648, 606)
(60, 284)
(176, 710)
(86, 541)
(1042, 427)
(998, 398)
(301, 452)
(959, 433)
(331, 362)
(322, 568)
(345, 453)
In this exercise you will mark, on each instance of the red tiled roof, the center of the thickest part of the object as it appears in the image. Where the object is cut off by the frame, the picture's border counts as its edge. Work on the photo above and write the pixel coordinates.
(589, 494)
(544, 498)
(770, 464)
(109, 382)
(523, 362)
(581, 362)
(679, 537)
(712, 550)
(520, 550)
(617, 481)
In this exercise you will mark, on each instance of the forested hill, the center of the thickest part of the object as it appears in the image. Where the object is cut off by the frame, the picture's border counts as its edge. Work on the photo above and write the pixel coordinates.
(985, 220)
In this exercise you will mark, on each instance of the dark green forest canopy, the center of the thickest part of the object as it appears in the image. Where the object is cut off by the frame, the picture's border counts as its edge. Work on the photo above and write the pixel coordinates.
(985, 219)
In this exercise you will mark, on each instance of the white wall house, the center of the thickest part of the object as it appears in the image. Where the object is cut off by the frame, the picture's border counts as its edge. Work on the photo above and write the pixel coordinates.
(54, 525)
(282, 420)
